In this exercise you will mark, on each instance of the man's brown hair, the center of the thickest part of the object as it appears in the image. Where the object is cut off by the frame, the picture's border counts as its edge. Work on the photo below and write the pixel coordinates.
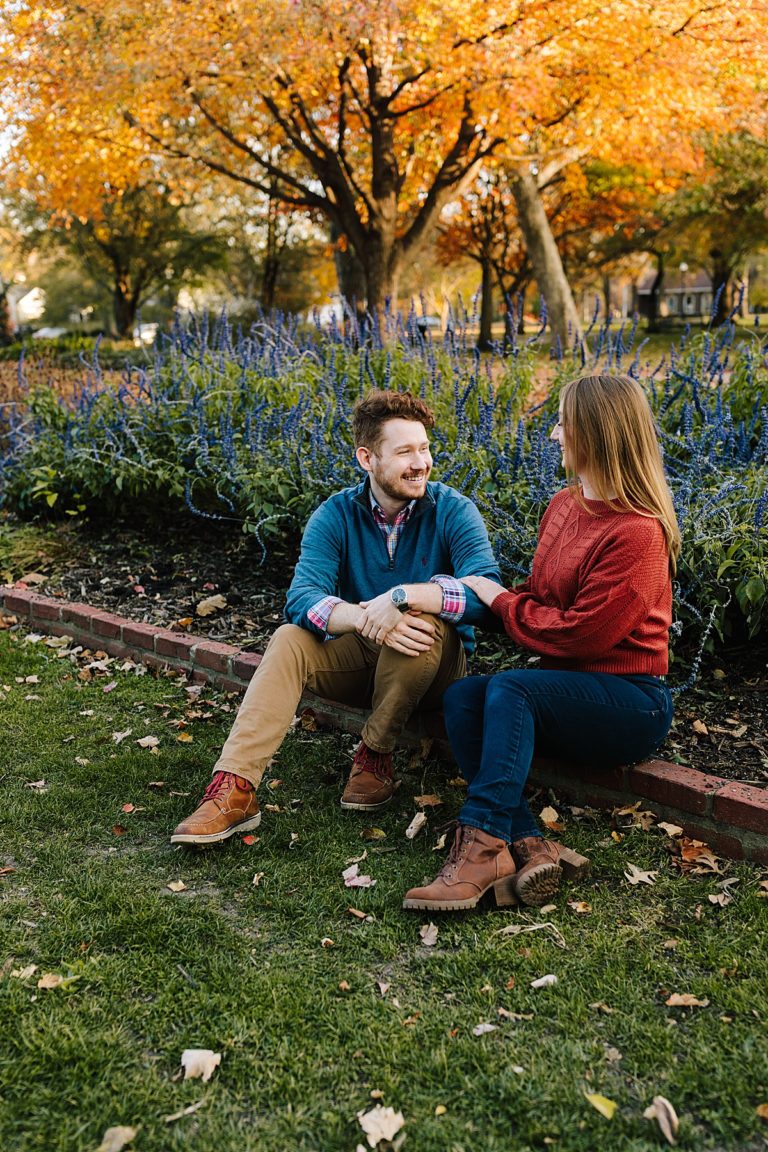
(372, 412)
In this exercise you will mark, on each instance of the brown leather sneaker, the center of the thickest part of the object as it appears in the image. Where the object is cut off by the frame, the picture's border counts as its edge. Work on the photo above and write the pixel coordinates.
(538, 869)
(371, 782)
(477, 861)
(228, 806)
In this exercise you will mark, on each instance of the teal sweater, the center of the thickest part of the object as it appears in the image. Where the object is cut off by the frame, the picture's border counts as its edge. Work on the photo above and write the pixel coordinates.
(344, 553)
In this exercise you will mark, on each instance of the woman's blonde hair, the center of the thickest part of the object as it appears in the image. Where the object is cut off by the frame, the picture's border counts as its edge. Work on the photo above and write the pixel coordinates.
(611, 435)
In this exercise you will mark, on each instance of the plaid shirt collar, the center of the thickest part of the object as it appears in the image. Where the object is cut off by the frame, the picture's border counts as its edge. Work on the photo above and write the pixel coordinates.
(392, 529)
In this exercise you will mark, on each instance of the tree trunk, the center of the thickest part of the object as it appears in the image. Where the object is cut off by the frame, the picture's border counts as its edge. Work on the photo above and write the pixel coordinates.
(124, 308)
(607, 297)
(655, 292)
(485, 338)
(545, 260)
(721, 278)
(350, 273)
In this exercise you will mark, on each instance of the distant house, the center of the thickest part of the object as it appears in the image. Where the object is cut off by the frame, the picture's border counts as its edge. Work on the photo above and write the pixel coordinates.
(686, 294)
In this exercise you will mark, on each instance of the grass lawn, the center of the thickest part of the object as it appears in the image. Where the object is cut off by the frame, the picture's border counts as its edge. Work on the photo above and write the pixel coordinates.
(318, 1013)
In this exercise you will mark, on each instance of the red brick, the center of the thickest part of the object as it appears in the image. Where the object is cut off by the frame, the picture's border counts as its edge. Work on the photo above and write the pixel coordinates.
(17, 601)
(108, 625)
(79, 614)
(45, 609)
(198, 676)
(245, 664)
(175, 644)
(142, 635)
(683, 788)
(743, 806)
(209, 654)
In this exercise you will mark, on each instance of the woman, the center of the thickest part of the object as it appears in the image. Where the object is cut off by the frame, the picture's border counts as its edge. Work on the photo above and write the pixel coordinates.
(597, 610)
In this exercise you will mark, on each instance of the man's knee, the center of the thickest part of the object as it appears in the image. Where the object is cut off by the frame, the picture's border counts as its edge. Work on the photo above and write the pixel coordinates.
(290, 636)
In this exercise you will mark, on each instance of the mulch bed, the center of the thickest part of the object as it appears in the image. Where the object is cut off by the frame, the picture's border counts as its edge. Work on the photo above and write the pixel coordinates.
(164, 578)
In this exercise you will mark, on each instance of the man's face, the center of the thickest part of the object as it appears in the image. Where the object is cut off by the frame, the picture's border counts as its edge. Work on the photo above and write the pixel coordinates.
(400, 466)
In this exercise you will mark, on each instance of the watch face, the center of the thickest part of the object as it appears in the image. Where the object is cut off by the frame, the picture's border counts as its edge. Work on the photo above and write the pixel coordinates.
(399, 598)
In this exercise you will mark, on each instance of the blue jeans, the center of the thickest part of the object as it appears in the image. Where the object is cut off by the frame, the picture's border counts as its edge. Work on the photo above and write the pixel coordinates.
(495, 723)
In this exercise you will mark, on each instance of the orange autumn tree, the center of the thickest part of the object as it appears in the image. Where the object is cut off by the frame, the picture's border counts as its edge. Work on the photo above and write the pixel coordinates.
(376, 114)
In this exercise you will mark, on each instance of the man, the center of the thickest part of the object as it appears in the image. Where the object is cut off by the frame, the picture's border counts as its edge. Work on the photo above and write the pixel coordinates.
(377, 617)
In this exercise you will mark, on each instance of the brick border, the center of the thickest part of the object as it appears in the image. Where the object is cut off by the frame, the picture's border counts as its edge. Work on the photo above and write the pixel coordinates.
(731, 817)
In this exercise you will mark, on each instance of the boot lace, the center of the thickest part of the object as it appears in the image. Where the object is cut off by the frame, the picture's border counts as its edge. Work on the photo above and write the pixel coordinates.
(220, 782)
(369, 760)
(459, 849)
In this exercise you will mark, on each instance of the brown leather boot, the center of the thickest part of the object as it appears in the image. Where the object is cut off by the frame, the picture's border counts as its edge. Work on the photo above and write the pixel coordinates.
(538, 869)
(228, 806)
(477, 861)
(371, 781)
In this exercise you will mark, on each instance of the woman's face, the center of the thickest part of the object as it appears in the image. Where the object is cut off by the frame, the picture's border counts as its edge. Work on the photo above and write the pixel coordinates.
(558, 435)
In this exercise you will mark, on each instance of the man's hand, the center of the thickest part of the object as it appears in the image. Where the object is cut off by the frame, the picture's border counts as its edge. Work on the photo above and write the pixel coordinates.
(383, 623)
(486, 590)
(411, 635)
(379, 617)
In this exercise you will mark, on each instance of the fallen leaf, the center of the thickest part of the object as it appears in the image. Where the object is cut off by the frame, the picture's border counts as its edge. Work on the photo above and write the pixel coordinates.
(722, 899)
(428, 934)
(115, 1139)
(326, 942)
(81, 760)
(762, 1111)
(373, 834)
(603, 1105)
(148, 742)
(51, 980)
(415, 825)
(685, 1000)
(36, 785)
(345, 986)
(7, 870)
(257, 879)
(176, 886)
(273, 784)
(24, 973)
(638, 876)
(353, 880)
(249, 839)
(33, 578)
(210, 605)
(440, 1110)
(382, 987)
(430, 801)
(481, 1029)
(612, 1055)
(118, 737)
(110, 687)
(670, 829)
(199, 1063)
(457, 782)
(119, 829)
(439, 844)
(544, 981)
(380, 1124)
(185, 738)
(665, 1116)
(507, 1015)
(129, 808)
(700, 727)
(188, 1111)
(357, 913)
(580, 907)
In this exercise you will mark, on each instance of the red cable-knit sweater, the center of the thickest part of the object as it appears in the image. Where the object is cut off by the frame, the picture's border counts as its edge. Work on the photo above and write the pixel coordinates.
(599, 598)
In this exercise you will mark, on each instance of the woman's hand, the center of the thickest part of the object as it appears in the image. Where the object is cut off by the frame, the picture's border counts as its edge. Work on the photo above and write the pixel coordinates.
(485, 589)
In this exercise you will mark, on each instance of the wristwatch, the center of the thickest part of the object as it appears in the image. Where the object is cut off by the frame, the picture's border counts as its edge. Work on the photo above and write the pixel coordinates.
(399, 598)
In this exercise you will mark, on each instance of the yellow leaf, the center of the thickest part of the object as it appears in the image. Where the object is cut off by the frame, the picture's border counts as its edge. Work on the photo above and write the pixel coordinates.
(184, 738)
(603, 1105)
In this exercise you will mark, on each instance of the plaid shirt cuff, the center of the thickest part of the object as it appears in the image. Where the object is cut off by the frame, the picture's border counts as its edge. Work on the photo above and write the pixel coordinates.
(454, 598)
(319, 614)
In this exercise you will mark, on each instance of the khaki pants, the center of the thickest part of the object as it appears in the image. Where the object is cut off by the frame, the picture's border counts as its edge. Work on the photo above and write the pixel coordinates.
(349, 669)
